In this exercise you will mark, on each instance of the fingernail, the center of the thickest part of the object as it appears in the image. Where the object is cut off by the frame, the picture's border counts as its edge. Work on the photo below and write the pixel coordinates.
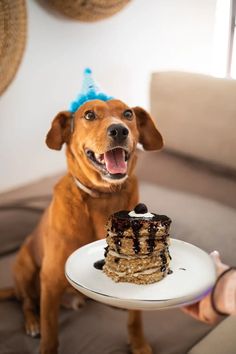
(215, 253)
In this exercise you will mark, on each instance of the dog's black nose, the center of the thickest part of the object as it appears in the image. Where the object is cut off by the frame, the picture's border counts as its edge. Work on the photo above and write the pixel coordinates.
(118, 132)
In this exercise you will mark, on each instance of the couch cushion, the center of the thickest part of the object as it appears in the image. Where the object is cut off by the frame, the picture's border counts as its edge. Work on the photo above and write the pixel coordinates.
(12, 234)
(196, 115)
(221, 340)
(100, 329)
(20, 209)
(201, 221)
(188, 175)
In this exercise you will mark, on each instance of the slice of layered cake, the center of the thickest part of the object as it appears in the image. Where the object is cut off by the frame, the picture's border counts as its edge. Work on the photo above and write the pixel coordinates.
(138, 246)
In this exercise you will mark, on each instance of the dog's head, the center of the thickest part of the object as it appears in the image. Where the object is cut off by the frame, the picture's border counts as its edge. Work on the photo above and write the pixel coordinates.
(102, 138)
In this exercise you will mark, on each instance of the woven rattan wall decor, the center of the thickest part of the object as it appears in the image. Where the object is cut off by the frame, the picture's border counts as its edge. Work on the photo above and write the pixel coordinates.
(88, 10)
(12, 39)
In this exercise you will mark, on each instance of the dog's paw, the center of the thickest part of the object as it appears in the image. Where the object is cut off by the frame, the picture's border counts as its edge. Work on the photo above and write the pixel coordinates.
(73, 301)
(145, 349)
(32, 327)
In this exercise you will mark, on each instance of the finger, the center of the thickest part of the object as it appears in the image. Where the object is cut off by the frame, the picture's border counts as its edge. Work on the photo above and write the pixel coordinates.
(206, 312)
(192, 310)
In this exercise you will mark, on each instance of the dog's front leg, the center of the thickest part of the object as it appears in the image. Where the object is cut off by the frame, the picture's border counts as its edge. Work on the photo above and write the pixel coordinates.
(51, 292)
(137, 340)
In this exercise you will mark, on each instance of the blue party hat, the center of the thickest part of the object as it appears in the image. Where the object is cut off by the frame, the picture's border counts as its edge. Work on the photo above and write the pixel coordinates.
(90, 91)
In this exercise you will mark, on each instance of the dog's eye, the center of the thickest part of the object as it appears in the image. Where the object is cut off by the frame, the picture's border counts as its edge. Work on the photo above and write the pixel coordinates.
(128, 114)
(89, 115)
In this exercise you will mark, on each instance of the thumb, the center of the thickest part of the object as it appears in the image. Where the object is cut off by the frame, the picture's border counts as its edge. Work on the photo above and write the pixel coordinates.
(220, 267)
(216, 257)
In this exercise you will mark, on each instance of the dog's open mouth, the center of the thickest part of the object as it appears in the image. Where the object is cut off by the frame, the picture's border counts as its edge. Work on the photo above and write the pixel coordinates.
(113, 163)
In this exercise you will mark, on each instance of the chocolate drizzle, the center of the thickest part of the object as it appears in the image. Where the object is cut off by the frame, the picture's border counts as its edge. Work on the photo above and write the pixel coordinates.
(163, 258)
(121, 221)
(136, 226)
(169, 254)
(99, 264)
(117, 239)
(163, 268)
(106, 249)
(119, 228)
(122, 215)
(117, 242)
(151, 238)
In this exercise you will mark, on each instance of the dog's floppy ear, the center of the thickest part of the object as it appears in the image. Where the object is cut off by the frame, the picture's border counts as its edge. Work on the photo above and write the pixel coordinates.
(60, 131)
(149, 136)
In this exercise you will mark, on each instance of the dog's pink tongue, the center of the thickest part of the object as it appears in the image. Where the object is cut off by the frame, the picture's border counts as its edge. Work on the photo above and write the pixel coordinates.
(115, 161)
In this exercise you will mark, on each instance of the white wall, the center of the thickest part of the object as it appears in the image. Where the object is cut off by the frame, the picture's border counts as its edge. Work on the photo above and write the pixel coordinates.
(122, 51)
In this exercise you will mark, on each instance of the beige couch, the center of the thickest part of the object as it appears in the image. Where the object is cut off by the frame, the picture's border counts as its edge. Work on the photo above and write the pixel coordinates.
(199, 196)
(197, 115)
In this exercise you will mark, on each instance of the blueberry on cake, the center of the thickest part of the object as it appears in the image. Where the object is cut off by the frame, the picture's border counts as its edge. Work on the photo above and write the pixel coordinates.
(138, 246)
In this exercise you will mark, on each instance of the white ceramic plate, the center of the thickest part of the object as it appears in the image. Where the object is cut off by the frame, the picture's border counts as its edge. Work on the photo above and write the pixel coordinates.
(192, 278)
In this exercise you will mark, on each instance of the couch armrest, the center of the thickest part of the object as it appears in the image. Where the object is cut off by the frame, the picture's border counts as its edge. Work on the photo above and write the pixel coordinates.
(196, 115)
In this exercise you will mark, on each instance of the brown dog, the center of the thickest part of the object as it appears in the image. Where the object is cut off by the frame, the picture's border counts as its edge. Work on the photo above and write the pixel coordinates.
(101, 140)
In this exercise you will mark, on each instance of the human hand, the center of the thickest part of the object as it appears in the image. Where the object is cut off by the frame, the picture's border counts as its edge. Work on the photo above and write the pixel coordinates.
(203, 310)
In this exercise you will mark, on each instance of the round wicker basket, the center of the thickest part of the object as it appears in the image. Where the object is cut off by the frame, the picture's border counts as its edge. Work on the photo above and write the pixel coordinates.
(12, 39)
(88, 10)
